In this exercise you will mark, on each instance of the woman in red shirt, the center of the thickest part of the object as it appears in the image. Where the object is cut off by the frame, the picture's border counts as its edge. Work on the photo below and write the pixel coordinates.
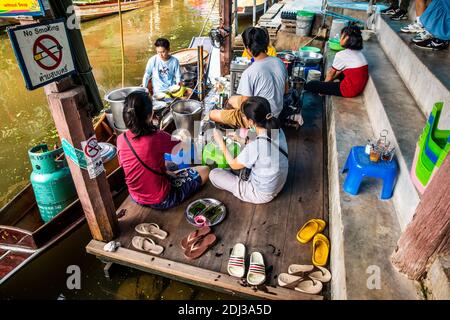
(349, 66)
(141, 154)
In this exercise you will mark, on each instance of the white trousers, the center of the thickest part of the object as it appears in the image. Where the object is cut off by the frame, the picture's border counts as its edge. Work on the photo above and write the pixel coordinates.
(244, 190)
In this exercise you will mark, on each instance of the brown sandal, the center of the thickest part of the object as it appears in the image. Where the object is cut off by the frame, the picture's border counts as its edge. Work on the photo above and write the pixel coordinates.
(194, 236)
(200, 246)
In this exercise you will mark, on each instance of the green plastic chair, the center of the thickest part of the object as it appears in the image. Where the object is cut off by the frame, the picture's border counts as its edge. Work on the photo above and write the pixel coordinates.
(432, 149)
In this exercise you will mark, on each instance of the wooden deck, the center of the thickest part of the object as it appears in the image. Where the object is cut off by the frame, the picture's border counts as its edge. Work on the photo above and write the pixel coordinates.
(270, 229)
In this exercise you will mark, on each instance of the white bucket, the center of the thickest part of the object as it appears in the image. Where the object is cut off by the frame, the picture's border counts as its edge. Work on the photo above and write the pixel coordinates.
(313, 75)
(336, 26)
(304, 25)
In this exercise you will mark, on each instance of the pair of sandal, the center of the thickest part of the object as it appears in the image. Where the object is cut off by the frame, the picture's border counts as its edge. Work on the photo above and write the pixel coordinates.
(196, 243)
(304, 278)
(236, 265)
(148, 244)
(321, 245)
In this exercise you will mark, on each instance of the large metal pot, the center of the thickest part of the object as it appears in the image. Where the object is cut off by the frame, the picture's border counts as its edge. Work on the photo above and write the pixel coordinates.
(116, 100)
(187, 115)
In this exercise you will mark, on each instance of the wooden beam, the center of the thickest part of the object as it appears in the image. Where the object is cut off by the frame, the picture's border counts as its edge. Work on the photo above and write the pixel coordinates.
(69, 111)
(192, 274)
(428, 234)
(225, 49)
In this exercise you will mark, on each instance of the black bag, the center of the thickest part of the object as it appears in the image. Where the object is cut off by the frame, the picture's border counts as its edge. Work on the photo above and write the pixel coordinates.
(292, 104)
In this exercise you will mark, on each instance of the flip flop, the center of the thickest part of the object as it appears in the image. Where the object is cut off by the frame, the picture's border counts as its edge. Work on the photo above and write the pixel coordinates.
(309, 229)
(194, 236)
(200, 246)
(321, 249)
(317, 273)
(256, 271)
(301, 284)
(236, 262)
(151, 229)
(147, 245)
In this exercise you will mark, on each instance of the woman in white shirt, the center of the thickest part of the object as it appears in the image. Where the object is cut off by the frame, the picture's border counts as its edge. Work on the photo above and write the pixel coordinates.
(266, 156)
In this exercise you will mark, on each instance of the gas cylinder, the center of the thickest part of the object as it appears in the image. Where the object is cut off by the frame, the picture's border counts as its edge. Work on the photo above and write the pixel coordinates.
(51, 180)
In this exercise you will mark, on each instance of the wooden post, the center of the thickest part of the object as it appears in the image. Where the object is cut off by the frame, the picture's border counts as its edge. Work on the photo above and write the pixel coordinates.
(225, 49)
(235, 14)
(428, 233)
(68, 106)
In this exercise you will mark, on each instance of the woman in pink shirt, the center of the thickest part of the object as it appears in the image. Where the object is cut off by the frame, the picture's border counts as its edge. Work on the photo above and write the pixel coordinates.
(141, 154)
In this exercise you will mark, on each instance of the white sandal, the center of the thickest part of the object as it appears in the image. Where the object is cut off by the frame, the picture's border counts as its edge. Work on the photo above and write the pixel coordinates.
(236, 262)
(301, 284)
(257, 270)
(147, 245)
(151, 229)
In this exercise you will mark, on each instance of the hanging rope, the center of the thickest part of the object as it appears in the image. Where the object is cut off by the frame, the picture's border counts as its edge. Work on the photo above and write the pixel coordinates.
(122, 45)
(207, 18)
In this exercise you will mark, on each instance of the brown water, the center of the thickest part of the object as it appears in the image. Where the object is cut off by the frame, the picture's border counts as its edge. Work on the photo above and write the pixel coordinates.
(26, 121)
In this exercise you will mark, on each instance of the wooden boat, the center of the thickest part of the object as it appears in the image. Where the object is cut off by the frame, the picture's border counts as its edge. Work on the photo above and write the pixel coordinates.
(89, 10)
(23, 234)
(245, 7)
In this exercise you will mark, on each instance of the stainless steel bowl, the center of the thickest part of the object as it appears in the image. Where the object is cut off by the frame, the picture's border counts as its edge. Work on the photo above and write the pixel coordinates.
(309, 58)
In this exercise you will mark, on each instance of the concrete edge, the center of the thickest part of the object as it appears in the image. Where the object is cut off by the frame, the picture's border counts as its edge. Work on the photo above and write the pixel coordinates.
(337, 256)
(424, 86)
(437, 281)
(405, 196)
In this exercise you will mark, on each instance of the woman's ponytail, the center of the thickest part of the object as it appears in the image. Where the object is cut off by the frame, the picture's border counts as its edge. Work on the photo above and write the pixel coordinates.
(258, 110)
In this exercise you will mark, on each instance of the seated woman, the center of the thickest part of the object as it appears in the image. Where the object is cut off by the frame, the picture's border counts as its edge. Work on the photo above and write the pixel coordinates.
(349, 66)
(266, 156)
(266, 77)
(141, 154)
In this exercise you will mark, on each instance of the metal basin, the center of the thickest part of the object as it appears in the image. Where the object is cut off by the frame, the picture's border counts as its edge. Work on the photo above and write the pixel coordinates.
(309, 58)
(116, 100)
(187, 115)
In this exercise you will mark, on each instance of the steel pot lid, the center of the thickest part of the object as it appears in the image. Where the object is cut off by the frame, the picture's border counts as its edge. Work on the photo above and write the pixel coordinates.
(108, 151)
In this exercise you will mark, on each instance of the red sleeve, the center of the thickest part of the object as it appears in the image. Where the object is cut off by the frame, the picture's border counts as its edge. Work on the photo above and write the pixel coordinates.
(167, 142)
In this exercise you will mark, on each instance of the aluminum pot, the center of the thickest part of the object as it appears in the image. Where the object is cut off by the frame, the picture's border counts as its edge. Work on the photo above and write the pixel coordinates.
(116, 100)
(187, 114)
(309, 58)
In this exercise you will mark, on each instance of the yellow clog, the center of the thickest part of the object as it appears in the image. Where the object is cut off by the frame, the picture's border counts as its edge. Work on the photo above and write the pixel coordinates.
(309, 229)
(321, 250)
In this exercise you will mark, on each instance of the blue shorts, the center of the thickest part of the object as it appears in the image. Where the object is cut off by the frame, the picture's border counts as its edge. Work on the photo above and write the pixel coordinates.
(186, 183)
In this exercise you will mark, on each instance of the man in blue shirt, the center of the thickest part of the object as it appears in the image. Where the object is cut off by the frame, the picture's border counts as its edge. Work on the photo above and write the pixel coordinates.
(162, 69)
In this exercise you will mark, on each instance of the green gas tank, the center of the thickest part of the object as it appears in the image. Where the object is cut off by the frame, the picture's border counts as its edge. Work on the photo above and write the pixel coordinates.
(51, 180)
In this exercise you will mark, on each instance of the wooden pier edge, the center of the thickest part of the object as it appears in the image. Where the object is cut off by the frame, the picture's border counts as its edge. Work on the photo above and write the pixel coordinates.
(191, 274)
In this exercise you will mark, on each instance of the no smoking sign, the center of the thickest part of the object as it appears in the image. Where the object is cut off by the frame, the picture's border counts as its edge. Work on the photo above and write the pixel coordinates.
(43, 52)
(94, 161)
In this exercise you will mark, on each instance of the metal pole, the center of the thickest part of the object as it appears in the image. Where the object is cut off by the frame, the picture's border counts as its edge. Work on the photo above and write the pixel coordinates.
(59, 8)
(254, 12)
(122, 45)
(235, 5)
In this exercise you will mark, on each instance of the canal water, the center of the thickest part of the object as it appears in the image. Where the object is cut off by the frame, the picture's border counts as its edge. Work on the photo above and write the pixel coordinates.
(26, 121)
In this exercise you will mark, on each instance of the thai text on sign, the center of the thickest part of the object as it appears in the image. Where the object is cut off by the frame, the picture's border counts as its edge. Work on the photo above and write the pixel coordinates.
(21, 8)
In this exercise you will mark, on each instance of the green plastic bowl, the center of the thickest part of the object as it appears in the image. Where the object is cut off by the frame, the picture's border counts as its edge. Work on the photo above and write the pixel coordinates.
(335, 45)
(311, 49)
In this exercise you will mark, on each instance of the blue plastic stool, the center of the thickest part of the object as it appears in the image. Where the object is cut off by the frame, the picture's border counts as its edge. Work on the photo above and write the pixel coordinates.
(359, 166)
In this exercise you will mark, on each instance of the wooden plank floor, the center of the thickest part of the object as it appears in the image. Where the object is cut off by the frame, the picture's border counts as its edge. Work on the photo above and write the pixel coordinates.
(270, 228)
